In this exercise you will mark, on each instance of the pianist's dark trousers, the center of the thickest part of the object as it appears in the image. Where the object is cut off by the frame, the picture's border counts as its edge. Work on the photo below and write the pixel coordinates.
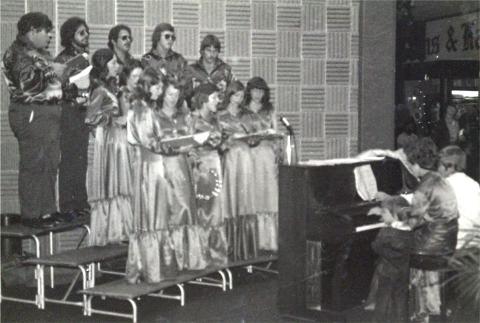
(36, 127)
(391, 301)
(73, 164)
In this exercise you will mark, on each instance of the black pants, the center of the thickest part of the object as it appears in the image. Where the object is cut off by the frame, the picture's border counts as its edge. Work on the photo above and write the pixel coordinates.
(391, 301)
(36, 127)
(73, 165)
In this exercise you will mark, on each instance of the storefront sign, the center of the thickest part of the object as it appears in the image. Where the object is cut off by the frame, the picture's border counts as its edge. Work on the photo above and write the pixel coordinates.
(455, 38)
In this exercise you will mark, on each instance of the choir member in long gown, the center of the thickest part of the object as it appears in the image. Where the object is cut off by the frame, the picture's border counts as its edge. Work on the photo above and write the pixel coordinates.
(238, 182)
(257, 100)
(175, 120)
(208, 174)
(151, 254)
(108, 175)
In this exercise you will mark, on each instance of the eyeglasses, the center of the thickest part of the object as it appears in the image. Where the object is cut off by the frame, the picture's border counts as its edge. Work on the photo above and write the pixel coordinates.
(126, 37)
(168, 36)
(82, 32)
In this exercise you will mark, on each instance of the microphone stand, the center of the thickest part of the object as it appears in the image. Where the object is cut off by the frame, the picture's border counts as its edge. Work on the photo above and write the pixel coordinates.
(291, 147)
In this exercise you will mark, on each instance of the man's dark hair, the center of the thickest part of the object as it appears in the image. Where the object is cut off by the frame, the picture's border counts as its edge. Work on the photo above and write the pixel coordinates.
(35, 20)
(68, 29)
(210, 40)
(114, 32)
(157, 32)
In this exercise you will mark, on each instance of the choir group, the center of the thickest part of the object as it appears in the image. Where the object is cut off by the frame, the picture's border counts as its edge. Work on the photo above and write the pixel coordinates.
(185, 207)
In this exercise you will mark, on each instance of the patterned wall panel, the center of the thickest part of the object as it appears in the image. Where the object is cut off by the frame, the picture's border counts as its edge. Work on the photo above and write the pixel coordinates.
(101, 12)
(70, 8)
(336, 125)
(264, 15)
(314, 45)
(264, 67)
(313, 15)
(186, 14)
(130, 12)
(238, 15)
(237, 43)
(289, 18)
(337, 98)
(312, 149)
(264, 43)
(11, 10)
(157, 11)
(288, 71)
(288, 98)
(313, 98)
(338, 45)
(212, 14)
(313, 72)
(307, 50)
(312, 124)
(336, 148)
(187, 42)
(338, 18)
(9, 194)
(288, 44)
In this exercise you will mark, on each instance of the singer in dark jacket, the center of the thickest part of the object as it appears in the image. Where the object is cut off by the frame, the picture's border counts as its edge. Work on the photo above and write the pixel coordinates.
(74, 132)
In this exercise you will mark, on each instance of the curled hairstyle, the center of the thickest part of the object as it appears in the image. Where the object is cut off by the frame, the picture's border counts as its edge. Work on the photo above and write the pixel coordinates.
(68, 29)
(114, 32)
(179, 84)
(453, 156)
(234, 87)
(202, 93)
(142, 90)
(127, 70)
(422, 152)
(99, 72)
(258, 83)
(157, 32)
(36, 20)
(210, 40)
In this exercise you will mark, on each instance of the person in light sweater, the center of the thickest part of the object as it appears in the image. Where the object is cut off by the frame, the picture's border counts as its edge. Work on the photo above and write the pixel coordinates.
(467, 192)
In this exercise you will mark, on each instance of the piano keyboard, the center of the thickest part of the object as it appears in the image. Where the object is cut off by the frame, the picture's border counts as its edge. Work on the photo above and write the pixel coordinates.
(370, 227)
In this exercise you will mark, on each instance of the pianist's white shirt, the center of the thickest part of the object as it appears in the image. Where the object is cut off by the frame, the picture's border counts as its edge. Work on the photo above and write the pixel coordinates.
(467, 192)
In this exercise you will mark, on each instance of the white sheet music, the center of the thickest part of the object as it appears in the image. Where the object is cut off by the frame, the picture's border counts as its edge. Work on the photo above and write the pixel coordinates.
(339, 161)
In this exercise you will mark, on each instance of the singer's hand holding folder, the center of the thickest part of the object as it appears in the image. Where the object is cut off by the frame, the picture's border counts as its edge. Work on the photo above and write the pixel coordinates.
(197, 139)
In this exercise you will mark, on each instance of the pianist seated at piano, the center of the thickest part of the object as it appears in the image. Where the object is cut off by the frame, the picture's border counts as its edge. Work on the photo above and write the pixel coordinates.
(434, 213)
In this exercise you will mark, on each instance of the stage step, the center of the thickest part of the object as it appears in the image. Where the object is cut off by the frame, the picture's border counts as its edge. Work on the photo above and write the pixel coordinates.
(83, 256)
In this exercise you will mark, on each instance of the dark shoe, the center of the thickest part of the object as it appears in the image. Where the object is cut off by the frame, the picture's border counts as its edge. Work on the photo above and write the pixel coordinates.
(49, 220)
(68, 216)
(43, 222)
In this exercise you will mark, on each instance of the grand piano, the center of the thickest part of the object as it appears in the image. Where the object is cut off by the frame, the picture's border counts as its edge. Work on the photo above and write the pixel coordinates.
(325, 260)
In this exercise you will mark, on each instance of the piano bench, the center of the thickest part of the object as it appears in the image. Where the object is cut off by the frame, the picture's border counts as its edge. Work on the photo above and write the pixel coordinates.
(438, 263)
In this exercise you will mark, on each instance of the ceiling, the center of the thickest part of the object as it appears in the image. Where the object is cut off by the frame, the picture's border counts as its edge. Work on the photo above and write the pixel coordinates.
(423, 10)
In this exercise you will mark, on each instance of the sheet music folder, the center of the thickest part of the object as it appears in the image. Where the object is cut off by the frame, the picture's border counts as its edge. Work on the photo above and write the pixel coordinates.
(197, 139)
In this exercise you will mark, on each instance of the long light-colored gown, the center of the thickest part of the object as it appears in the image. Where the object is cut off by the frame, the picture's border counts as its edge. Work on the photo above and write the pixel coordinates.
(185, 231)
(151, 254)
(108, 176)
(208, 184)
(266, 183)
(237, 191)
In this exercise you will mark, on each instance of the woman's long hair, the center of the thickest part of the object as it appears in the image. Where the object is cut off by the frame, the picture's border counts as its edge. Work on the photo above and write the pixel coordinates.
(99, 73)
(258, 83)
(127, 70)
(179, 84)
(142, 90)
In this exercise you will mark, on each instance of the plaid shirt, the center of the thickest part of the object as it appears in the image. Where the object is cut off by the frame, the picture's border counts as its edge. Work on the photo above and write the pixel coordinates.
(29, 74)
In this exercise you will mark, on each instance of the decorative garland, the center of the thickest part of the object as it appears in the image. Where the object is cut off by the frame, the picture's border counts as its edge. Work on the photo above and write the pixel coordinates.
(213, 178)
